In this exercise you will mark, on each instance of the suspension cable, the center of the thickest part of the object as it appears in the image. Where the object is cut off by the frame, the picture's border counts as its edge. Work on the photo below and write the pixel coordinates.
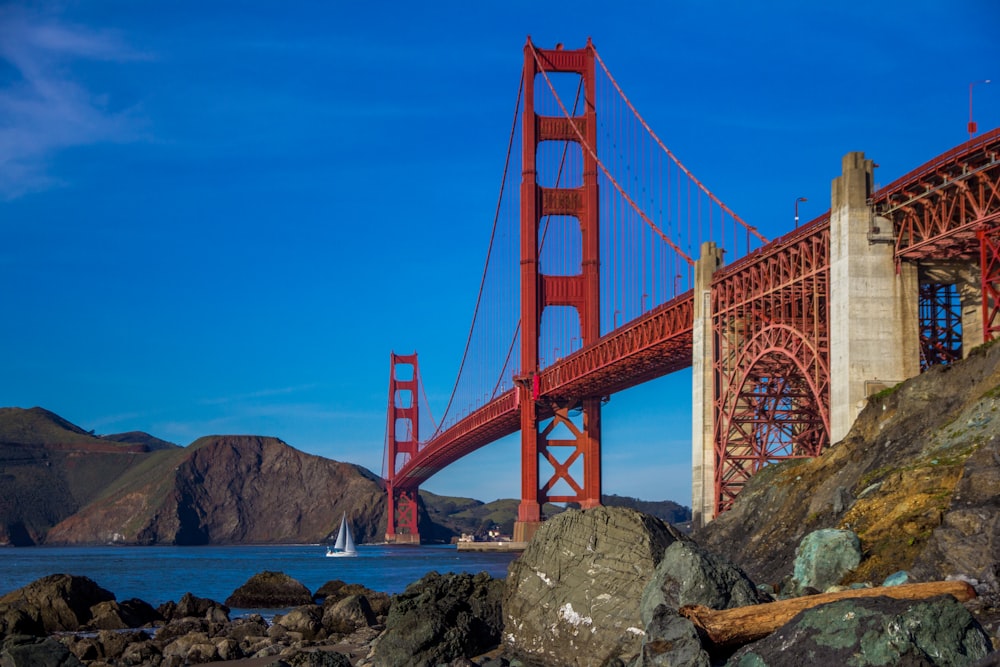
(489, 251)
(423, 393)
(749, 228)
(593, 154)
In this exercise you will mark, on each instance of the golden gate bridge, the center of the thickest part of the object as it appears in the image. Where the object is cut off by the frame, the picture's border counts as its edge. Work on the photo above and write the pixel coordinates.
(605, 270)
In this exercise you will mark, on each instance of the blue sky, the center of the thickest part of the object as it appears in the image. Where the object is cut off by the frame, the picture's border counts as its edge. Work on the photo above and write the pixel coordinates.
(222, 217)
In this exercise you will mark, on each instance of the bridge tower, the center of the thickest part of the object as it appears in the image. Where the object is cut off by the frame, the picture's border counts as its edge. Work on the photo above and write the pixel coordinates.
(402, 436)
(580, 291)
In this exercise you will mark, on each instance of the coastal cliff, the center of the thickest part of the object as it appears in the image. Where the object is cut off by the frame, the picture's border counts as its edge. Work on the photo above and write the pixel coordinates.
(229, 490)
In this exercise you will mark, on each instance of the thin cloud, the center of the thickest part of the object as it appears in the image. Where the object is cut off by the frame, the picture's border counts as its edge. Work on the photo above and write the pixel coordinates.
(261, 393)
(42, 109)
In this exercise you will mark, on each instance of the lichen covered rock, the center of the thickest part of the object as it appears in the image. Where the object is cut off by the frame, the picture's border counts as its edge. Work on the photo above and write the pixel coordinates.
(823, 558)
(441, 618)
(690, 575)
(572, 598)
(872, 631)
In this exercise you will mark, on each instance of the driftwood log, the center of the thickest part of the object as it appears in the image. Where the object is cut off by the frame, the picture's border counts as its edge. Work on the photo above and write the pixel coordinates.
(734, 627)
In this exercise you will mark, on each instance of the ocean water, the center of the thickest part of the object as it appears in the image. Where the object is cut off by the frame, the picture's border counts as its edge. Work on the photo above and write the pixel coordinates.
(159, 574)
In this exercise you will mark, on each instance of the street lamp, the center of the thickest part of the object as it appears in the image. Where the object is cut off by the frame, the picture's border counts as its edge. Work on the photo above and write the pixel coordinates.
(972, 123)
(797, 209)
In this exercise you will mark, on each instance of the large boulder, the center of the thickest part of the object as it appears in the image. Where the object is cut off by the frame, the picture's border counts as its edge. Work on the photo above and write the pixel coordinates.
(441, 618)
(24, 651)
(823, 558)
(59, 602)
(690, 575)
(671, 641)
(270, 590)
(192, 606)
(348, 615)
(112, 615)
(873, 631)
(336, 590)
(306, 621)
(687, 575)
(572, 598)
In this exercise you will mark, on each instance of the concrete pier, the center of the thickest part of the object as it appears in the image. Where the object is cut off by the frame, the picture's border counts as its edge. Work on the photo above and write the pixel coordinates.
(874, 322)
(703, 389)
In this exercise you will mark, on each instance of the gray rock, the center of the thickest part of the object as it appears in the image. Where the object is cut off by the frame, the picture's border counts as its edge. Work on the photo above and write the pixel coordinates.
(348, 615)
(270, 590)
(141, 653)
(192, 606)
(968, 540)
(689, 575)
(25, 651)
(14, 621)
(306, 620)
(439, 619)
(313, 659)
(572, 598)
(897, 578)
(60, 602)
(112, 615)
(872, 631)
(823, 557)
(249, 626)
(336, 590)
(671, 641)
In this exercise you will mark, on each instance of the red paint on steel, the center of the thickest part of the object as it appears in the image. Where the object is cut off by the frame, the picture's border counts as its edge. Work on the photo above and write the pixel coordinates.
(404, 444)
(769, 321)
(579, 291)
(771, 352)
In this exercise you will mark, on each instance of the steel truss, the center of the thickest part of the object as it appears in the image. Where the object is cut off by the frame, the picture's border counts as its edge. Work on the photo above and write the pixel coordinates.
(771, 358)
(940, 325)
(938, 209)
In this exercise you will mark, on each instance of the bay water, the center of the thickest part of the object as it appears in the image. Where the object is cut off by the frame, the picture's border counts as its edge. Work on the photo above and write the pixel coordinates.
(159, 574)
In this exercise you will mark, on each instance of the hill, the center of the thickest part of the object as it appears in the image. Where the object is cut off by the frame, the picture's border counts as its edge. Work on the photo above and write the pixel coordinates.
(50, 468)
(468, 516)
(230, 490)
(60, 484)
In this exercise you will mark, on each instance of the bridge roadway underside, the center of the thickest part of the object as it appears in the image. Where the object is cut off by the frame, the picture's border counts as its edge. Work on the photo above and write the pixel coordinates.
(655, 344)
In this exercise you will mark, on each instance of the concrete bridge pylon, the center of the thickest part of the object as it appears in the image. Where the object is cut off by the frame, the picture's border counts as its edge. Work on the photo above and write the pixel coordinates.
(703, 405)
(874, 320)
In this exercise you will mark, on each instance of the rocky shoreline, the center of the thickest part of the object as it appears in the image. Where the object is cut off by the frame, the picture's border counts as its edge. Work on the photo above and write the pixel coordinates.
(603, 587)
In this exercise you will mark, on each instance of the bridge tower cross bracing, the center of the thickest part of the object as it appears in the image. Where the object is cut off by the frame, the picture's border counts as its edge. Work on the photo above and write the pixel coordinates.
(403, 442)
(538, 290)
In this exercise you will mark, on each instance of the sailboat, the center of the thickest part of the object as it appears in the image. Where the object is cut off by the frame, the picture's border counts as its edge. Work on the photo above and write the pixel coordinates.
(345, 542)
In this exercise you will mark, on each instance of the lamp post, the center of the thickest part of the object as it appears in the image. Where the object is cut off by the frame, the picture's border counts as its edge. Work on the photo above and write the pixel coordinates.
(797, 209)
(972, 123)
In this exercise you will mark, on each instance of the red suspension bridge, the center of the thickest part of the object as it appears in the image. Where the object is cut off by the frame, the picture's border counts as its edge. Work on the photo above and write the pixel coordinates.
(604, 271)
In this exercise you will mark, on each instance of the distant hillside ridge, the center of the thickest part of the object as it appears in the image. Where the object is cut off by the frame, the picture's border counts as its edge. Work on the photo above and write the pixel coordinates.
(61, 484)
(50, 468)
(456, 516)
(227, 489)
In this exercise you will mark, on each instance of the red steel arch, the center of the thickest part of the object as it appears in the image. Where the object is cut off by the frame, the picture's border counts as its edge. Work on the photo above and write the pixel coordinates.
(771, 357)
(774, 407)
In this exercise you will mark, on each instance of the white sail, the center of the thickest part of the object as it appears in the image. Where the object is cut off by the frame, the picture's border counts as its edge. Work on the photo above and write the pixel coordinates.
(341, 536)
(349, 542)
(345, 541)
